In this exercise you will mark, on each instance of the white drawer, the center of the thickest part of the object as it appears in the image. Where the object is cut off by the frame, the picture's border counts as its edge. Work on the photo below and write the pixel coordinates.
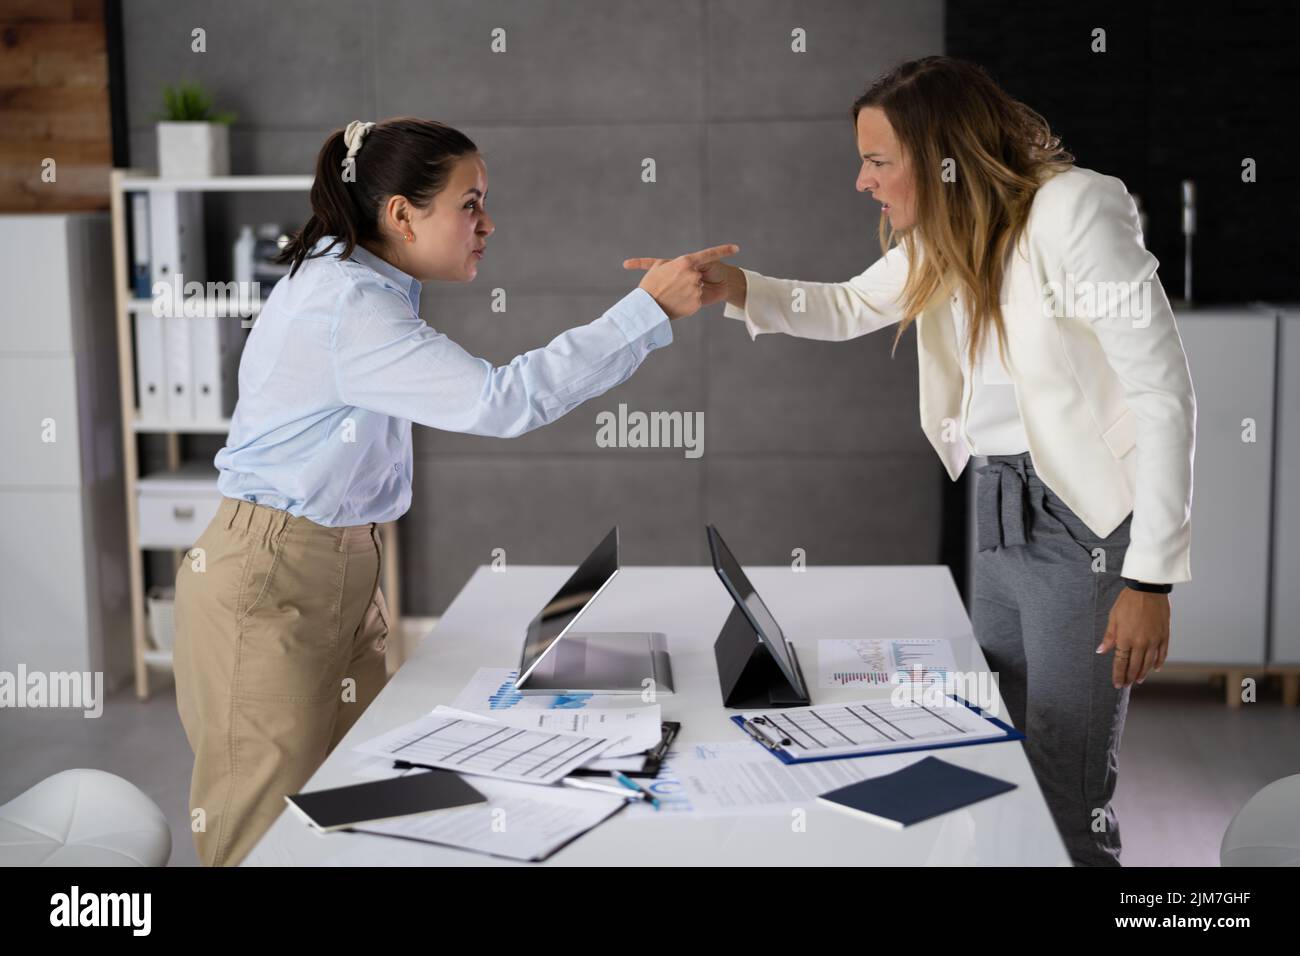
(174, 513)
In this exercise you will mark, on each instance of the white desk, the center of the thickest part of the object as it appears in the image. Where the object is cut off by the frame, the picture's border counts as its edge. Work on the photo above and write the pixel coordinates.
(484, 627)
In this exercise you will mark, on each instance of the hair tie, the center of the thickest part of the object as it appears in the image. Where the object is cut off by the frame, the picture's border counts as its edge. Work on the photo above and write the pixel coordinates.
(352, 137)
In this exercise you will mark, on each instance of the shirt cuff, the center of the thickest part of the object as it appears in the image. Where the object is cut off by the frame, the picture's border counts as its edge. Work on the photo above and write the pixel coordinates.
(751, 291)
(639, 317)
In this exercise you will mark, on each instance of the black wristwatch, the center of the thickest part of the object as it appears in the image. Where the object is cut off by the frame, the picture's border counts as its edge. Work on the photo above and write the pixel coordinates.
(1144, 586)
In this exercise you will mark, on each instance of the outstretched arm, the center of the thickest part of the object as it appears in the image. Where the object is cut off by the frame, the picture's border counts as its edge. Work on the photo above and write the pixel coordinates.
(390, 361)
(832, 311)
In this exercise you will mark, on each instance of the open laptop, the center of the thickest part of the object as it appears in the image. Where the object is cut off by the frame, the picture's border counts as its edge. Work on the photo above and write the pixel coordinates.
(557, 660)
(761, 620)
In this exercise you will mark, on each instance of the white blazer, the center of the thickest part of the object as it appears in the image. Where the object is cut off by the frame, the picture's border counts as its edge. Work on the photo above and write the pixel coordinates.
(1101, 379)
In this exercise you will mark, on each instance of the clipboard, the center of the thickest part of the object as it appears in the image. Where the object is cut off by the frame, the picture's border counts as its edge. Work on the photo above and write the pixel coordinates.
(1008, 733)
(654, 757)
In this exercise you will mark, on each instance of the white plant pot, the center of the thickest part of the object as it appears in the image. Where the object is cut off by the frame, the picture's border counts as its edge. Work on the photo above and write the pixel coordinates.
(193, 150)
(161, 602)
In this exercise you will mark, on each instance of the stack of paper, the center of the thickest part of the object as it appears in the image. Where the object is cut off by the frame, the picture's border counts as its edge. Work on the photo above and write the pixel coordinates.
(458, 740)
(515, 749)
(636, 725)
(519, 821)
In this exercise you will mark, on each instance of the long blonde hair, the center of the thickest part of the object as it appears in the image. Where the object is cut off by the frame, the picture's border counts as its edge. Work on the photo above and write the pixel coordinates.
(1000, 150)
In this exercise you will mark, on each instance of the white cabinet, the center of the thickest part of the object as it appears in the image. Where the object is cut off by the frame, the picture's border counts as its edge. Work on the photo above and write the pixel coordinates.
(64, 598)
(1285, 623)
(1221, 615)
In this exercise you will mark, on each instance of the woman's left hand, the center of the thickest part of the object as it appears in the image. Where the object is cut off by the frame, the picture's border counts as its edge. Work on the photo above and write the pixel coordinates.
(1138, 630)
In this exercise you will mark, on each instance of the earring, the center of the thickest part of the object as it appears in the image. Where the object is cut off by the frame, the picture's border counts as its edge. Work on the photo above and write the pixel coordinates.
(409, 237)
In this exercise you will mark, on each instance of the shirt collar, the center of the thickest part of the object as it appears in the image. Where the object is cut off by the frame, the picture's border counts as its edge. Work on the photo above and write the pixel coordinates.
(408, 285)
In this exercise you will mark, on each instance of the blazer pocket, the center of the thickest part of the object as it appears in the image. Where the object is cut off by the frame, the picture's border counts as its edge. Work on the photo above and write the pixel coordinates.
(1122, 435)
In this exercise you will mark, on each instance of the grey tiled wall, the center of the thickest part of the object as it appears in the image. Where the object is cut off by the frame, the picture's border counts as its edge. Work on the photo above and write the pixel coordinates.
(807, 444)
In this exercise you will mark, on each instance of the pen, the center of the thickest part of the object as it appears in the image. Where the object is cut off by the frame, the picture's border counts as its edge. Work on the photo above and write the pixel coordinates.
(631, 784)
(579, 783)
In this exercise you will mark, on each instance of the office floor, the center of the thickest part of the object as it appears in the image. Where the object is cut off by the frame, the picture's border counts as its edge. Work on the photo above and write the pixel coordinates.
(1187, 765)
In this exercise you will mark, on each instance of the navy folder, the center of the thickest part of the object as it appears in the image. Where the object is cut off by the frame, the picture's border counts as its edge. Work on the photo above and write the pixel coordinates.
(925, 789)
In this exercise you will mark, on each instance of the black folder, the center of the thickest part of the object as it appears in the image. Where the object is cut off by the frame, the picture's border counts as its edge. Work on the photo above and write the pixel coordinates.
(412, 793)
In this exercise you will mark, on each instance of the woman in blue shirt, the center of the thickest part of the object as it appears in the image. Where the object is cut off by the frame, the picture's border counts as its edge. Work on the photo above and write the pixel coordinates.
(280, 621)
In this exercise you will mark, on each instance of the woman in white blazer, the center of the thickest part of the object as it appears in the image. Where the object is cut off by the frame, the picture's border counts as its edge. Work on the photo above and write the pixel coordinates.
(1046, 343)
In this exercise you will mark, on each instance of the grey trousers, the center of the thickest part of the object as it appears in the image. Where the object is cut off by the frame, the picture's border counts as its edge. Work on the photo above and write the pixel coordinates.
(1044, 586)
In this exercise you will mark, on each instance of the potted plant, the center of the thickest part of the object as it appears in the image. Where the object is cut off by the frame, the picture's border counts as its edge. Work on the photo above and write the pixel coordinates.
(193, 140)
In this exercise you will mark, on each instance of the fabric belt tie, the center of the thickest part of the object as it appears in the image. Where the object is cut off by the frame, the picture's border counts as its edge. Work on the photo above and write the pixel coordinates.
(1001, 504)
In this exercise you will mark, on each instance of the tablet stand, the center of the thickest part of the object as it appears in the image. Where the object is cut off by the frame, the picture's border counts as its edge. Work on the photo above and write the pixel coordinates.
(749, 675)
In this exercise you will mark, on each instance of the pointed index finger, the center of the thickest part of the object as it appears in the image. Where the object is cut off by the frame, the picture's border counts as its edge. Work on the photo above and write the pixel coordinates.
(712, 254)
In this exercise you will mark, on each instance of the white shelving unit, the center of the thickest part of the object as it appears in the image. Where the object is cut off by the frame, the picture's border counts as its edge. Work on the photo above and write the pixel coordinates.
(138, 181)
(123, 183)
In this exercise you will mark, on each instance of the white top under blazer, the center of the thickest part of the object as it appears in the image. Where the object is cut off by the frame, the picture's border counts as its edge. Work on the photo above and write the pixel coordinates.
(1096, 366)
(990, 420)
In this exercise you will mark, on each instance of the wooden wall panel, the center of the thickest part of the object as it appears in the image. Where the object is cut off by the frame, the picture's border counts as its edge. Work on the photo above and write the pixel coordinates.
(53, 104)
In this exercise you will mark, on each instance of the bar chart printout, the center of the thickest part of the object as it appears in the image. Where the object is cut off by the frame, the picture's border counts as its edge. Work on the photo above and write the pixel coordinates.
(879, 662)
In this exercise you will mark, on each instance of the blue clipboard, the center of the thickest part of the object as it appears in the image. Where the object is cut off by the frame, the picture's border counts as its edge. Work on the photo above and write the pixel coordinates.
(1009, 733)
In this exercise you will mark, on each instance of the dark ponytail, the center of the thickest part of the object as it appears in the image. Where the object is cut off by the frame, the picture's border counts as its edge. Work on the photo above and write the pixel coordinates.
(398, 157)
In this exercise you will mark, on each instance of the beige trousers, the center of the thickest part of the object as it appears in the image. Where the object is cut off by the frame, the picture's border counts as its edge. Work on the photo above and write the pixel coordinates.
(280, 637)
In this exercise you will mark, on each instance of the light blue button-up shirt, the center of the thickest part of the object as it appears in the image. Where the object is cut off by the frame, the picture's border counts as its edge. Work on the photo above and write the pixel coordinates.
(339, 363)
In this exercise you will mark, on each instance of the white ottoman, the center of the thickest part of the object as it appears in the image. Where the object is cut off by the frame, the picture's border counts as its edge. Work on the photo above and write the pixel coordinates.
(83, 818)
(1266, 831)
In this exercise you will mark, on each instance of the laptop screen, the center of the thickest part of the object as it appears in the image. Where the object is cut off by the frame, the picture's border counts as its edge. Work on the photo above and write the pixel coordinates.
(743, 593)
(569, 602)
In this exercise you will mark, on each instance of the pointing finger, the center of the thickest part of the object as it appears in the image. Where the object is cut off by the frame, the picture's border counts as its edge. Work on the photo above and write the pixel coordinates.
(705, 256)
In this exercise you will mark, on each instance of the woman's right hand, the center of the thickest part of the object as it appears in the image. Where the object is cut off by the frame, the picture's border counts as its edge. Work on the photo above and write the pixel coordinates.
(679, 285)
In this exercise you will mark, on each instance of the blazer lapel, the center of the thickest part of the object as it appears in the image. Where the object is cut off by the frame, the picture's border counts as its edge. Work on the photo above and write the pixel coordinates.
(940, 384)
